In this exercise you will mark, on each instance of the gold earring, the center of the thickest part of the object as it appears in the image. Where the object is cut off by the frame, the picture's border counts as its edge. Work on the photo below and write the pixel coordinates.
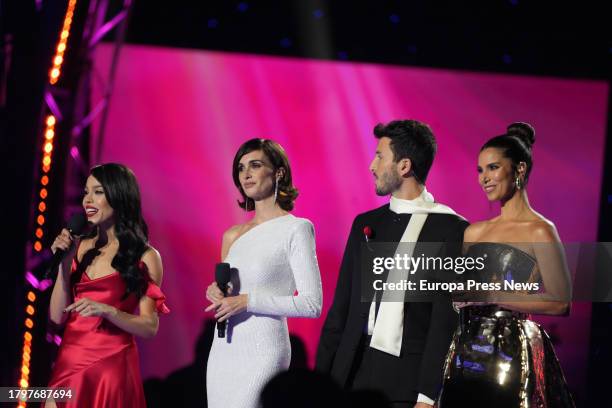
(518, 182)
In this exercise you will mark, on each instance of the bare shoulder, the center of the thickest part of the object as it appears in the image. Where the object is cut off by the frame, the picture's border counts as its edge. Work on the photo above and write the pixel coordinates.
(232, 233)
(152, 259)
(543, 230)
(474, 231)
(229, 236)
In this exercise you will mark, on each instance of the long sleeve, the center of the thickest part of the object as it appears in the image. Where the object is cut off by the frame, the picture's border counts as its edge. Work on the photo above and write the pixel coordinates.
(444, 321)
(305, 270)
(335, 322)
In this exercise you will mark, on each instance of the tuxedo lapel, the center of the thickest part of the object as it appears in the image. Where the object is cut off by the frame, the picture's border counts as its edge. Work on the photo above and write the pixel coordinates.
(388, 228)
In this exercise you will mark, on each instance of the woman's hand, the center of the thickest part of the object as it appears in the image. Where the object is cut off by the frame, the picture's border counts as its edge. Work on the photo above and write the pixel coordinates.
(88, 308)
(224, 306)
(461, 305)
(229, 306)
(63, 242)
(214, 294)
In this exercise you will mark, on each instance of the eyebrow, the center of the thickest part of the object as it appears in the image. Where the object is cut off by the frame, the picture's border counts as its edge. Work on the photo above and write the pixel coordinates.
(96, 186)
(252, 161)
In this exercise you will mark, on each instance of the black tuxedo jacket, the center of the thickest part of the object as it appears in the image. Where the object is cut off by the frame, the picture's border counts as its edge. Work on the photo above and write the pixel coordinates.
(428, 326)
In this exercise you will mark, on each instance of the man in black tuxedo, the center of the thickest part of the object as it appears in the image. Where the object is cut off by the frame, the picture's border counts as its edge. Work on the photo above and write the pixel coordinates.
(401, 351)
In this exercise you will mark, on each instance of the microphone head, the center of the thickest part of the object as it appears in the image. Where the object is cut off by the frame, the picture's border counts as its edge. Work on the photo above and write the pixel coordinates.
(222, 273)
(77, 223)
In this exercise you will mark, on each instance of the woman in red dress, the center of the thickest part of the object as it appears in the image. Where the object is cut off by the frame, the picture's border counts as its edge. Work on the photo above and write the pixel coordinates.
(106, 277)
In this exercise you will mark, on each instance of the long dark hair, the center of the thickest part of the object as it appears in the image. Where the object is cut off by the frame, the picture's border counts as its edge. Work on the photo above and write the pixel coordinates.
(287, 193)
(515, 145)
(123, 195)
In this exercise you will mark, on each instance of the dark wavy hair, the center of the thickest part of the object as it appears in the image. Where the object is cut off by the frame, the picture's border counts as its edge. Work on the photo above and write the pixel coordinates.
(287, 193)
(410, 139)
(516, 145)
(123, 195)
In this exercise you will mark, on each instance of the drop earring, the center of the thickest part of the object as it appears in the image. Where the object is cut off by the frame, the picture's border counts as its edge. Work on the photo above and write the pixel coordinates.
(518, 183)
(276, 190)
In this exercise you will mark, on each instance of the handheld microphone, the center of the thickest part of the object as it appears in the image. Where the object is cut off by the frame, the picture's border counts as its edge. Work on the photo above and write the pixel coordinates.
(222, 277)
(75, 226)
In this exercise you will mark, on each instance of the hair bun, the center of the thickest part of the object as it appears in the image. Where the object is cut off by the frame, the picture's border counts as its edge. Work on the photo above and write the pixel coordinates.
(524, 131)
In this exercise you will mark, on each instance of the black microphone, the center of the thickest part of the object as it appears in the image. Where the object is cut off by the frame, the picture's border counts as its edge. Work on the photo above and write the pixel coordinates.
(222, 277)
(75, 226)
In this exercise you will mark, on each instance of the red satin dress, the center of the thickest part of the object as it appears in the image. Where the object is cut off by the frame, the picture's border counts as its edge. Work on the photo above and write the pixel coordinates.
(98, 360)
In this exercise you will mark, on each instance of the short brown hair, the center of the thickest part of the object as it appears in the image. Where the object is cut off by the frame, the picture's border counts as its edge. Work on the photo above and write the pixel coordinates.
(287, 193)
(410, 139)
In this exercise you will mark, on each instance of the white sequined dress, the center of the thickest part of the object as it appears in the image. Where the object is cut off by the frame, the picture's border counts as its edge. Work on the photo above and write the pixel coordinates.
(272, 261)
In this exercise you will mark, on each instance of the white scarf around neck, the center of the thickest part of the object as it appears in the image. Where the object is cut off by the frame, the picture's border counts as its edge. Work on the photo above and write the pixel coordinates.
(387, 328)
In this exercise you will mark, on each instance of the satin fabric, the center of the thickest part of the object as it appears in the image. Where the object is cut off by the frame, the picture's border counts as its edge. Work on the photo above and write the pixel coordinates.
(98, 360)
(387, 326)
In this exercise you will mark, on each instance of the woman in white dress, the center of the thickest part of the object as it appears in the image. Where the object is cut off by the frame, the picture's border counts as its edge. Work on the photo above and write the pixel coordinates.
(272, 257)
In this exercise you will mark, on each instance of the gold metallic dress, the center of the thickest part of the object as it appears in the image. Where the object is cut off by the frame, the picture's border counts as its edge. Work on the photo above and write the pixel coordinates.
(499, 358)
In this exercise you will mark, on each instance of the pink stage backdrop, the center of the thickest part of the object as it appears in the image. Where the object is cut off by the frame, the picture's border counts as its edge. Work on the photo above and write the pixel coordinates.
(177, 118)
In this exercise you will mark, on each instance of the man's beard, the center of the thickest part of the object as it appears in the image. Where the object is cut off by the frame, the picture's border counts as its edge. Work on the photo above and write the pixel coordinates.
(389, 182)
